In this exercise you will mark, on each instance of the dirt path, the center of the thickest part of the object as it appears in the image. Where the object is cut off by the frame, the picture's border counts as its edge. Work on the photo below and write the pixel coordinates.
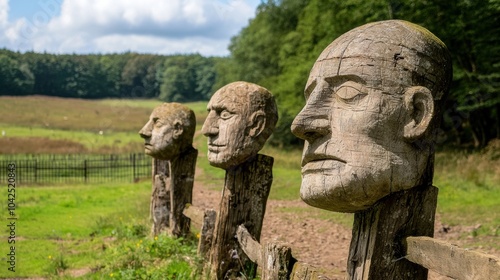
(318, 242)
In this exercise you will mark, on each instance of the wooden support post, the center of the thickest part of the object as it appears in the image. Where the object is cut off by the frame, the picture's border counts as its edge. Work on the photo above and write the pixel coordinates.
(243, 201)
(182, 171)
(160, 197)
(207, 233)
(450, 260)
(377, 248)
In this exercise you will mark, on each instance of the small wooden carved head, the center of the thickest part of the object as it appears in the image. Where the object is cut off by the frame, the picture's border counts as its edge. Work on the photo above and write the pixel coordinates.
(373, 102)
(169, 131)
(241, 117)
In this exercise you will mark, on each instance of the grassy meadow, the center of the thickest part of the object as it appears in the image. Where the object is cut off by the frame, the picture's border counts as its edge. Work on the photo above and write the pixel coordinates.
(101, 231)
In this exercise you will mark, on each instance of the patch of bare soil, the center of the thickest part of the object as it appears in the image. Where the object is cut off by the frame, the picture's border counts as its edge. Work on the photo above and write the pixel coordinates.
(39, 145)
(318, 242)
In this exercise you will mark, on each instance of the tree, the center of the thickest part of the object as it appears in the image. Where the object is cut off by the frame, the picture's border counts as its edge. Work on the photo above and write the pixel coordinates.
(139, 76)
(187, 78)
(15, 76)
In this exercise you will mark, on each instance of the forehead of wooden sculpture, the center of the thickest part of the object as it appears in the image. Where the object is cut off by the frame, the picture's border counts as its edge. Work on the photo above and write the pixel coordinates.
(388, 55)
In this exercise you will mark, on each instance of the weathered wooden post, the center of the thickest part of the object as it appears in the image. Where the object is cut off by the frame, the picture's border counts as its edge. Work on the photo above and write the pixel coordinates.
(241, 118)
(159, 207)
(374, 99)
(168, 139)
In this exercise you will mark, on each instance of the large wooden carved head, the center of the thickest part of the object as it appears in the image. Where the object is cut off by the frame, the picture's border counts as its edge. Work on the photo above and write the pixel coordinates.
(169, 131)
(373, 102)
(241, 117)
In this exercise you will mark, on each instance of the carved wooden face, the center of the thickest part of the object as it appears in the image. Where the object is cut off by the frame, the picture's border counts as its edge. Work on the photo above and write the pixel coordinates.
(227, 129)
(169, 130)
(362, 112)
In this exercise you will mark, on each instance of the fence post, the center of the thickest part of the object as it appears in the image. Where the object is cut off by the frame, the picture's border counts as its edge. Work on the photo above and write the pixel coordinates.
(36, 171)
(133, 168)
(85, 170)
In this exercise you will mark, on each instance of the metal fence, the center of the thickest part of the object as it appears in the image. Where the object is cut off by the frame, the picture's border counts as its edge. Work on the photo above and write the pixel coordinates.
(43, 169)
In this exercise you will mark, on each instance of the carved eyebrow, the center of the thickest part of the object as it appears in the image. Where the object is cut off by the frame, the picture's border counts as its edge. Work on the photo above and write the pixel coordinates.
(219, 108)
(338, 80)
(309, 88)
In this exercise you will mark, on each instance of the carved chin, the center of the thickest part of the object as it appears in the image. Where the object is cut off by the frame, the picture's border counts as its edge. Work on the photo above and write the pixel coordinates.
(227, 160)
(334, 193)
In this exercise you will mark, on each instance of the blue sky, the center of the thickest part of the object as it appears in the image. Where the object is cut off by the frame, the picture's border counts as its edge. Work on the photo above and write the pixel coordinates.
(106, 26)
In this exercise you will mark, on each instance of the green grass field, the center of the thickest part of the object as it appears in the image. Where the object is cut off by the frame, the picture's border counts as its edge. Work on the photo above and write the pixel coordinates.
(97, 228)
(103, 227)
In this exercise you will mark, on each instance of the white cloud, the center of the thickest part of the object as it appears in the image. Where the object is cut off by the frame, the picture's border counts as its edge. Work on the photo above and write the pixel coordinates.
(151, 44)
(174, 26)
(4, 12)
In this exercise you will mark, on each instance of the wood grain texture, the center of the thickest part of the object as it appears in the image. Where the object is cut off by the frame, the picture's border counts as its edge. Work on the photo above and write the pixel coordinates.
(160, 197)
(182, 171)
(377, 247)
(450, 260)
(243, 202)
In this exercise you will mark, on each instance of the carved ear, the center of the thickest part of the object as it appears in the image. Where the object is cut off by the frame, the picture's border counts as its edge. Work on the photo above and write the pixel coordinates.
(419, 105)
(257, 124)
(178, 129)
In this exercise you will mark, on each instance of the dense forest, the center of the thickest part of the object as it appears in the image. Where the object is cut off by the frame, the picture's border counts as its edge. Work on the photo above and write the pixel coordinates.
(277, 50)
(179, 78)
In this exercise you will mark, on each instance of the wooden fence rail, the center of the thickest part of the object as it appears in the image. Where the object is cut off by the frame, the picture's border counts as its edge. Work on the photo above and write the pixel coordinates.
(43, 169)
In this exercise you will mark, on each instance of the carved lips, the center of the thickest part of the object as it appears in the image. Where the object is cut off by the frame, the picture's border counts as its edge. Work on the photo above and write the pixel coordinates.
(314, 163)
(215, 148)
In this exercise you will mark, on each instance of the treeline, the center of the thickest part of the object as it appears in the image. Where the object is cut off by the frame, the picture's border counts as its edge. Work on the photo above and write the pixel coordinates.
(179, 78)
(279, 46)
(277, 50)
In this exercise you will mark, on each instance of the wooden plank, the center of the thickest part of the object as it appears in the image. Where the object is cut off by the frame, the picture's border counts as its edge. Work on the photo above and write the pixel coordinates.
(249, 245)
(194, 213)
(450, 260)
(275, 259)
(377, 245)
(205, 220)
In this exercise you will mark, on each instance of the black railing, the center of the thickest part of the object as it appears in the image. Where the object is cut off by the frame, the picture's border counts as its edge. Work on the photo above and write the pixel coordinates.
(42, 169)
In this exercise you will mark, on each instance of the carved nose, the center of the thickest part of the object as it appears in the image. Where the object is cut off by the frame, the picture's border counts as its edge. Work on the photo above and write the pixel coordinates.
(310, 125)
(209, 126)
(145, 131)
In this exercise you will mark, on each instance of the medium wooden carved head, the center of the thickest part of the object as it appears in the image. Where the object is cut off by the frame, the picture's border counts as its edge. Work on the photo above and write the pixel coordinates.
(241, 117)
(169, 131)
(373, 102)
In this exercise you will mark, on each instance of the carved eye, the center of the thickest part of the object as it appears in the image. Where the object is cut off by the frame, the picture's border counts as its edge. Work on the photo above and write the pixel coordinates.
(350, 92)
(157, 122)
(225, 114)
